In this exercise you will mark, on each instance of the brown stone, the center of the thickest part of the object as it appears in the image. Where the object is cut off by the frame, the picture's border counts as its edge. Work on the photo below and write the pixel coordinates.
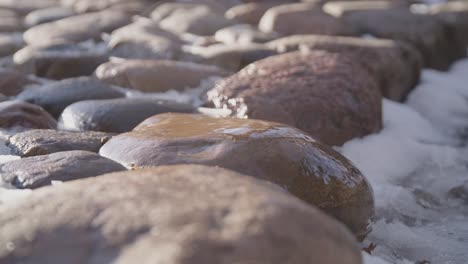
(328, 95)
(395, 64)
(26, 115)
(302, 18)
(10, 21)
(39, 171)
(156, 75)
(76, 28)
(10, 43)
(178, 215)
(13, 82)
(269, 151)
(47, 141)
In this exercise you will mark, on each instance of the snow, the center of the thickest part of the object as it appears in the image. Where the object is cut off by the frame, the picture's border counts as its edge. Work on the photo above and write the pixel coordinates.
(412, 164)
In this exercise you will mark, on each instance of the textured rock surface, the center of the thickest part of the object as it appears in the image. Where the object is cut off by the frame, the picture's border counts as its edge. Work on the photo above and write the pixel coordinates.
(39, 171)
(270, 151)
(44, 141)
(116, 115)
(328, 95)
(26, 115)
(57, 96)
(204, 215)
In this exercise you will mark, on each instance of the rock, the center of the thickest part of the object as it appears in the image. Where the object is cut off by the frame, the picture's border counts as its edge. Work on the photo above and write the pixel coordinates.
(250, 13)
(60, 61)
(229, 57)
(422, 31)
(26, 6)
(13, 82)
(117, 115)
(326, 94)
(454, 16)
(76, 28)
(269, 151)
(22, 114)
(39, 171)
(85, 6)
(156, 75)
(10, 21)
(204, 215)
(302, 18)
(46, 15)
(144, 40)
(243, 34)
(396, 65)
(57, 96)
(10, 43)
(192, 18)
(43, 141)
(460, 192)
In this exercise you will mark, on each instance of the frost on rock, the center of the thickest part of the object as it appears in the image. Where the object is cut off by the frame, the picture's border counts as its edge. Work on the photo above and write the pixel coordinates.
(412, 165)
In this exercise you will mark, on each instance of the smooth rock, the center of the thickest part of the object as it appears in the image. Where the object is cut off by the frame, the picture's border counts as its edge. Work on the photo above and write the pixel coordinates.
(76, 28)
(424, 32)
(192, 18)
(302, 18)
(26, 115)
(46, 15)
(55, 97)
(39, 171)
(243, 34)
(13, 82)
(117, 115)
(10, 43)
(46, 141)
(250, 13)
(178, 215)
(156, 75)
(328, 95)
(10, 21)
(396, 65)
(269, 151)
(25, 6)
(60, 61)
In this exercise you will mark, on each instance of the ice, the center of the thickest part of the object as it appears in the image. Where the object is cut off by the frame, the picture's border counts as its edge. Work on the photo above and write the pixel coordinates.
(412, 164)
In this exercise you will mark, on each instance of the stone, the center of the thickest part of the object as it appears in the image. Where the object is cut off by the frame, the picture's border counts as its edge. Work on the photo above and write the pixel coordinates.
(117, 115)
(302, 18)
(156, 75)
(204, 215)
(13, 82)
(85, 6)
(23, 7)
(47, 141)
(424, 32)
(270, 151)
(25, 115)
(46, 15)
(191, 18)
(229, 57)
(250, 13)
(10, 43)
(60, 61)
(55, 97)
(10, 21)
(396, 65)
(243, 34)
(77, 28)
(144, 40)
(327, 95)
(460, 192)
(39, 171)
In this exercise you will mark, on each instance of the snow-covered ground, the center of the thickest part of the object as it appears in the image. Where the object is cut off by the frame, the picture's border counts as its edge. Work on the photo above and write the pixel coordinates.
(412, 164)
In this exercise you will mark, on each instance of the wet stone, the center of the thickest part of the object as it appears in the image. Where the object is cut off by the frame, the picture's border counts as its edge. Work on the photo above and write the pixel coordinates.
(55, 97)
(26, 115)
(327, 95)
(302, 18)
(39, 171)
(270, 151)
(396, 65)
(60, 61)
(205, 215)
(46, 141)
(117, 115)
(156, 75)
(76, 28)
